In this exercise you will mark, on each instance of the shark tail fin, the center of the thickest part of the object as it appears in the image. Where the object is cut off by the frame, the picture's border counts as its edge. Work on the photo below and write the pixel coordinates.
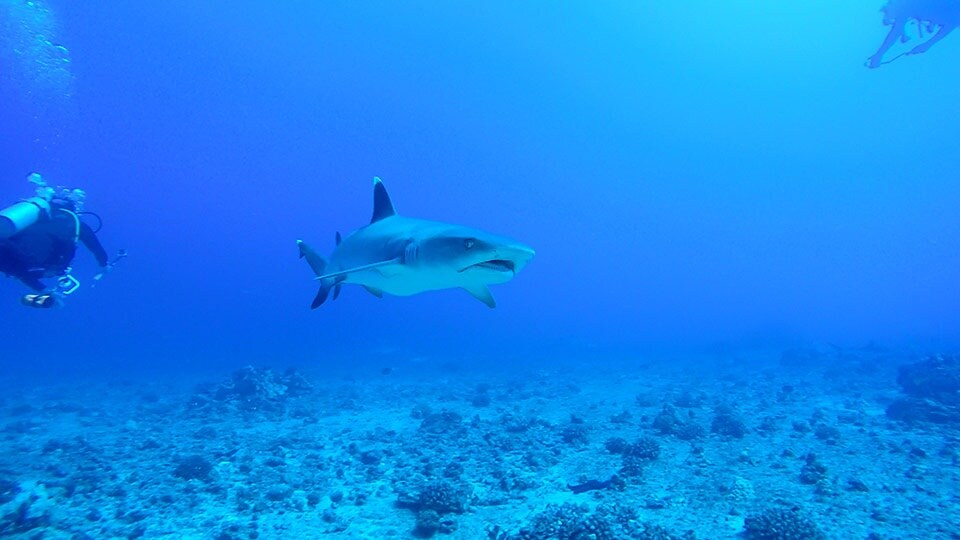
(318, 265)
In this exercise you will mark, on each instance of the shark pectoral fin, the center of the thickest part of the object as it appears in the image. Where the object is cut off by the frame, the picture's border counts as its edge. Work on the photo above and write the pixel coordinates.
(336, 291)
(483, 294)
(376, 292)
(342, 273)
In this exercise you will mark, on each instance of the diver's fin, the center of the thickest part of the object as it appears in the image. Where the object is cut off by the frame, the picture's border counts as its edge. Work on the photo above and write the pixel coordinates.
(338, 238)
(382, 207)
(44, 301)
(316, 262)
(376, 292)
(483, 294)
(342, 273)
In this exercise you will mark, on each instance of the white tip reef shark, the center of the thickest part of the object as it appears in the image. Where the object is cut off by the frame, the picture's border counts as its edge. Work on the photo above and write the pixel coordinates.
(404, 256)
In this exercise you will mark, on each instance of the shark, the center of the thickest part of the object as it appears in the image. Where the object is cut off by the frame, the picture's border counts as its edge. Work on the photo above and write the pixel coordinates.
(404, 256)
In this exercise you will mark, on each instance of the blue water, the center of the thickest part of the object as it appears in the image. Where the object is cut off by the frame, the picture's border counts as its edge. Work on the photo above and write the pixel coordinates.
(693, 173)
(694, 176)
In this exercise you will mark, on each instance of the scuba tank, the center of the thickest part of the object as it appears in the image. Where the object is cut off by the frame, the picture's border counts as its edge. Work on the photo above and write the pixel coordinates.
(25, 213)
(21, 215)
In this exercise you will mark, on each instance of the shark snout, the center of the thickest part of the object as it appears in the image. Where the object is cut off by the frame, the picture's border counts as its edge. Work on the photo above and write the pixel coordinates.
(501, 262)
(516, 256)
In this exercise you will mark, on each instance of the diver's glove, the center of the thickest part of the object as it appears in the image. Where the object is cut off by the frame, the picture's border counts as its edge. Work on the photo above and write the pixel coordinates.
(121, 254)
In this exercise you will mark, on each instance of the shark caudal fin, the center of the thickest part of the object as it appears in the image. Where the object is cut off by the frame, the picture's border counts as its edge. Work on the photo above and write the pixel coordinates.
(318, 265)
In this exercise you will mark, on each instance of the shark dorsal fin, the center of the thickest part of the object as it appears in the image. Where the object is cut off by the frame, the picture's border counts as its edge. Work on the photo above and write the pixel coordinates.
(382, 207)
(338, 238)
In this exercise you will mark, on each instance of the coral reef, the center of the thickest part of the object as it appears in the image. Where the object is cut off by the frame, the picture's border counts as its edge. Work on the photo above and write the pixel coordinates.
(261, 455)
(727, 423)
(781, 524)
(253, 390)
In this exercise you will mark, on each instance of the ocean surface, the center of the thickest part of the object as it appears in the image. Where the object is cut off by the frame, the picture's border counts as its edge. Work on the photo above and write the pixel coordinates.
(741, 320)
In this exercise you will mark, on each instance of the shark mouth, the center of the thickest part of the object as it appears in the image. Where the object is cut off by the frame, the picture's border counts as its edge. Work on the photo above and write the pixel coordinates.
(498, 265)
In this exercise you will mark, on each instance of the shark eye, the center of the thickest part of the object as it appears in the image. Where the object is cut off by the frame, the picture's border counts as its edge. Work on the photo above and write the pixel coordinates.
(469, 242)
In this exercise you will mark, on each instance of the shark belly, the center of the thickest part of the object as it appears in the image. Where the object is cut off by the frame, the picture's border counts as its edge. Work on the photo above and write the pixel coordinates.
(399, 280)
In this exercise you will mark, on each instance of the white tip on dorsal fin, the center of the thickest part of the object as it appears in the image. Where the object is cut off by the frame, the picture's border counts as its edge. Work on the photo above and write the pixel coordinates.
(382, 206)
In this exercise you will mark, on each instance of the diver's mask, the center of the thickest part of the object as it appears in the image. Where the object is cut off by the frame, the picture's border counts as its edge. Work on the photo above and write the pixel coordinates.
(70, 199)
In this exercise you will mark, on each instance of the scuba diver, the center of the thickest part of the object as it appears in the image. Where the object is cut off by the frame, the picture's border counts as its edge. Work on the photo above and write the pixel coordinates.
(38, 239)
(939, 17)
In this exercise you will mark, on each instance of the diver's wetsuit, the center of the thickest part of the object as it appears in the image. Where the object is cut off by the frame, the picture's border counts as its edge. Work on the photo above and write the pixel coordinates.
(46, 248)
(942, 14)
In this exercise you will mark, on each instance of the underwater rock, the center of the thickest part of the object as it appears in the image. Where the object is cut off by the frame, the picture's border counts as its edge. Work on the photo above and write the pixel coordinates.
(667, 420)
(443, 497)
(690, 431)
(194, 468)
(566, 521)
(576, 522)
(827, 434)
(432, 505)
(575, 434)
(481, 400)
(428, 521)
(440, 496)
(646, 448)
(253, 389)
(913, 410)
(515, 424)
(937, 378)
(781, 524)
(933, 392)
(632, 466)
(812, 471)
(442, 423)
(727, 423)
(741, 490)
(27, 509)
(689, 400)
(8, 490)
(616, 445)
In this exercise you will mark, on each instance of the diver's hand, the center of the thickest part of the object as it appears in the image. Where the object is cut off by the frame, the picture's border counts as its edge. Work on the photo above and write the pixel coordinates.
(920, 49)
(873, 62)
